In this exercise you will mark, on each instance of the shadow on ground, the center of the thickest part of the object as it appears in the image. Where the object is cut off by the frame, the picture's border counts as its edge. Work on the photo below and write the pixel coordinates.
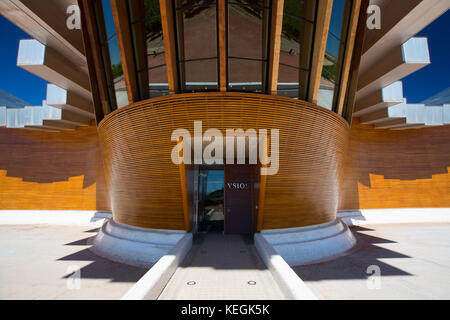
(355, 264)
(101, 268)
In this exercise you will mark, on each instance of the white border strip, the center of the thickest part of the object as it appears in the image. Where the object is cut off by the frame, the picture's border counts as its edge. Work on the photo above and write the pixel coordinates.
(290, 283)
(382, 216)
(150, 286)
(54, 217)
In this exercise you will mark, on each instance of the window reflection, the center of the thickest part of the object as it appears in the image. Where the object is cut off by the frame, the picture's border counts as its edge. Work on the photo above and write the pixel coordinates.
(146, 27)
(336, 42)
(247, 50)
(196, 26)
(296, 48)
(118, 96)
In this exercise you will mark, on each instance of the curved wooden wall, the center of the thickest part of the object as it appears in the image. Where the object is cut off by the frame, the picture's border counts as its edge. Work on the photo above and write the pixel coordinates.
(145, 186)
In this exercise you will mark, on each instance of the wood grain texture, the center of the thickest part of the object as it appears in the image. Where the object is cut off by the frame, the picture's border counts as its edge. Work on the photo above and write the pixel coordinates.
(222, 23)
(322, 26)
(169, 37)
(51, 171)
(397, 168)
(347, 61)
(123, 33)
(349, 103)
(145, 184)
(276, 26)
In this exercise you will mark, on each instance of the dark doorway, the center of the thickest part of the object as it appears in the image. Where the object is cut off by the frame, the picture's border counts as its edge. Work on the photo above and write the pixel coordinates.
(238, 199)
(210, 212)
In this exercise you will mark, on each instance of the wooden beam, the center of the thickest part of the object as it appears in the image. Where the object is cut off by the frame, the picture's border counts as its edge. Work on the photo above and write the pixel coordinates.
(320, 43)
(167, 21)
(47, 24)
(346, 63)
(123, 33)
(262, 188)
(275, 43)
(356, 61)
(222, 45)
(97, 77)
(184, 196)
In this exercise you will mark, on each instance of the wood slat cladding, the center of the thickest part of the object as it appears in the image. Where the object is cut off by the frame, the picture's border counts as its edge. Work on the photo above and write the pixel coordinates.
(51, 171)
(144, 184)
(396, 168)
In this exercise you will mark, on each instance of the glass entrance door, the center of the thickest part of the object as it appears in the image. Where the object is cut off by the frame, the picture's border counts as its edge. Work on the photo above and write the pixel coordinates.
(210, 212)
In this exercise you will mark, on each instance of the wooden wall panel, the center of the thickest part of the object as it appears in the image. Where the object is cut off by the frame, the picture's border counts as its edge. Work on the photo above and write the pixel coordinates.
(397, 168)
(51, 170)
(145, 185)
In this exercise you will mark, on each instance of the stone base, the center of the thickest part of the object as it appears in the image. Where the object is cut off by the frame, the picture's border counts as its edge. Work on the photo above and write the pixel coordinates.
(134, 246)
(312, 244)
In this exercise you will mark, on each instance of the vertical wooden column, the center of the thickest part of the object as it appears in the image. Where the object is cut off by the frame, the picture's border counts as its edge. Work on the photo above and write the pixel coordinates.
(349, 102)
(184, 196)
(222, 25)
(122, 25)
(97, 73)
(168, 25)
(320, 43)
(275, 43)
(346, 63)
(262, 187)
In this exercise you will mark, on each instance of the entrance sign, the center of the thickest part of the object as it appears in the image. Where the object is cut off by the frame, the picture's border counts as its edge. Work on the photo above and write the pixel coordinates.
(238, 186)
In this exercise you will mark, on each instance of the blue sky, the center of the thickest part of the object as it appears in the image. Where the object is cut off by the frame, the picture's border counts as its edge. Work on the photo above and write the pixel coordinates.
(435, 77)
(13, 79)
(417, 87)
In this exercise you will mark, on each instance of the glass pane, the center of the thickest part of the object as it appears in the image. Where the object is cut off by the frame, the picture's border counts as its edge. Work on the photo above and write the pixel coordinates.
(296, 44)
(301, 8)
(288, 81)
(337, 17)
(191, 3)
(151, 9)
(200, 75)
(118, 80)
(109, 21)
(149, 47)
(245, 75)
(331, 59)
(287, 76)
(247, 31)
(325, 98)
(158, 85)
(197, 32)
(334, 53)
(155, 43)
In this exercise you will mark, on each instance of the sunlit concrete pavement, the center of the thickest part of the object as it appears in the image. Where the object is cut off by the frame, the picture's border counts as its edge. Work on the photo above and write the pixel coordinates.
(222, 267)
(40, 262)
(413, 259)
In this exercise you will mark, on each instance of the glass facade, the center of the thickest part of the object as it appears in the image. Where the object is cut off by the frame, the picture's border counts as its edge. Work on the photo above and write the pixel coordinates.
(335, 50)
(147, 37)
(193, 26)
(248, 44)
(117, 91)
(197, 42)
(296, 48)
